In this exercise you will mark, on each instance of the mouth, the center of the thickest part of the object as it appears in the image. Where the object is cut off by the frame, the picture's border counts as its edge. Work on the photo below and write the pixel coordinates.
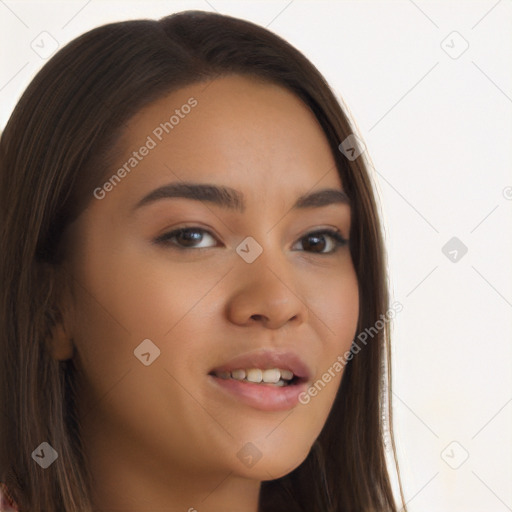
(264, 380)
(275, 377)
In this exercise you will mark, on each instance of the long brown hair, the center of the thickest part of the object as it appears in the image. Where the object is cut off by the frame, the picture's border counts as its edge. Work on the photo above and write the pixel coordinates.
(57, 147)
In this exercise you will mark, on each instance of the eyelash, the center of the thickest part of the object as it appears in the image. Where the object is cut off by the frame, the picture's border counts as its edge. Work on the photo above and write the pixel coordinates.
(166, 239)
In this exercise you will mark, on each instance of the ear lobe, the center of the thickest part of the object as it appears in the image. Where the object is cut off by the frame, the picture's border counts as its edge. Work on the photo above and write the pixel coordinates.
(58, 339)
(60, 345)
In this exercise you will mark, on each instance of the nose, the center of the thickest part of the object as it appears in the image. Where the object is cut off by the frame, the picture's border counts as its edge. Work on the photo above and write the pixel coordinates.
(268, 295)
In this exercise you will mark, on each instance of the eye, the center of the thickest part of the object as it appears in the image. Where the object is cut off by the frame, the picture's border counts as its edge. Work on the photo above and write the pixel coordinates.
(316, 241)
(186, 238)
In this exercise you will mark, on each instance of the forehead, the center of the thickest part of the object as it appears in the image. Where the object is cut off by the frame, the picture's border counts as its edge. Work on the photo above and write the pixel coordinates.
(235, 130)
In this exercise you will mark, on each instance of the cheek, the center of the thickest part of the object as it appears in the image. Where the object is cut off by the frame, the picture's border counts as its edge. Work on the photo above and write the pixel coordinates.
(123, 297)
(336, 316)
(341, 308)
(335, 310)
(162, 298)
(144, 294)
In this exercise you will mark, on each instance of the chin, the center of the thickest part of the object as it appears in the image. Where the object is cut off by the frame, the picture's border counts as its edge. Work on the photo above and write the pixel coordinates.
(274, 463)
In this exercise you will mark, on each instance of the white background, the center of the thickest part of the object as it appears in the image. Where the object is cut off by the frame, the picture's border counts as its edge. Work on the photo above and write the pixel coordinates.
(438, 132)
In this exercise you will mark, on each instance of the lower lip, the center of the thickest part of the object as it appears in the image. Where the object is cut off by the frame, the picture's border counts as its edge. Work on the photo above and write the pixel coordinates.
(265, 397)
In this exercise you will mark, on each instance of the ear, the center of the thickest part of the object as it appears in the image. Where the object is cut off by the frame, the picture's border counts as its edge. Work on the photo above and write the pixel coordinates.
(60, 343)
(57, 315)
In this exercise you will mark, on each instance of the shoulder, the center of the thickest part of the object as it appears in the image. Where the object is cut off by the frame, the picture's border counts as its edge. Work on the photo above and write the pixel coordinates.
(6, 502)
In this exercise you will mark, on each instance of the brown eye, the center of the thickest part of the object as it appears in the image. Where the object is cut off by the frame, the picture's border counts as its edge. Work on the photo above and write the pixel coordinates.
(317, 241)
(184, 238)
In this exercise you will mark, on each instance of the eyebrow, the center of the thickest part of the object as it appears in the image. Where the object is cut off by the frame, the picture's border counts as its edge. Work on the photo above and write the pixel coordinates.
(229, 198)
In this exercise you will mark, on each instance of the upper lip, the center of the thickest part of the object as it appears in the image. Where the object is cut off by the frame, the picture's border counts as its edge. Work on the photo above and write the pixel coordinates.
(266, 359)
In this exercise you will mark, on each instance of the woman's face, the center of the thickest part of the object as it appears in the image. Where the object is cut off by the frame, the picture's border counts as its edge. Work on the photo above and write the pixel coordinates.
(157, 316)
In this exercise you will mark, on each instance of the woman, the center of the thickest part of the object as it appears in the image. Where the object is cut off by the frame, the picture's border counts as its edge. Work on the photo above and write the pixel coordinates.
(148, 369)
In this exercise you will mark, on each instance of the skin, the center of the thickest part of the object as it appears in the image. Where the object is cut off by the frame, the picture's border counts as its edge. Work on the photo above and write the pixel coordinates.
(159, 437)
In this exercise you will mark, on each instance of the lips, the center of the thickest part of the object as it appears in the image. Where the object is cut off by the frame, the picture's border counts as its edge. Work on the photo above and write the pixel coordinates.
(261, 396)
(266, 360)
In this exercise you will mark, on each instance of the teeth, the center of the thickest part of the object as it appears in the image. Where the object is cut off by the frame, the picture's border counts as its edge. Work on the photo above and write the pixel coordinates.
(254, 375)
(238, 374)
(274, 376)
(286, 374)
